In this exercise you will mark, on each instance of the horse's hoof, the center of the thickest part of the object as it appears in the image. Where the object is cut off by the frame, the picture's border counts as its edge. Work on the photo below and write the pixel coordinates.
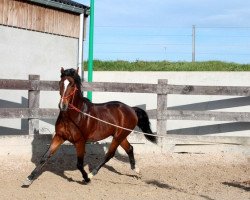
(27, 183)
(92, 174)
(87, 180)
(137, 170)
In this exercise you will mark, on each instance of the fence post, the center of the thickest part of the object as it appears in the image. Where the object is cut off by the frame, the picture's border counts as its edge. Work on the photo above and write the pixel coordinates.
(162, 106)
(33, 103)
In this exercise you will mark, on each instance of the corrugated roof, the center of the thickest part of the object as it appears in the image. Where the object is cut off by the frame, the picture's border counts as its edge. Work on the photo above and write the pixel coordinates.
(71, 3)
(67, 5)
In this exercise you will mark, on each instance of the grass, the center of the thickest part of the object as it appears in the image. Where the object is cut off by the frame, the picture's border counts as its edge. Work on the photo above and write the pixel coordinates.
(168, 66)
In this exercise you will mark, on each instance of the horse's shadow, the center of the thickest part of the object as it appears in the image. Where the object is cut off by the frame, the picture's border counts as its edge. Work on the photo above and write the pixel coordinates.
(242, 185)
(65, 158)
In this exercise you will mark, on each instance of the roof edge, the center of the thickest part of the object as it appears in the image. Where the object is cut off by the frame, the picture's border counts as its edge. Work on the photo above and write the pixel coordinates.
(75, 8)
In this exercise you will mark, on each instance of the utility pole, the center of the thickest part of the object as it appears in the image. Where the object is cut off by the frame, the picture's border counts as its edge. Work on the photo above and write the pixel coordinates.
(193, 43)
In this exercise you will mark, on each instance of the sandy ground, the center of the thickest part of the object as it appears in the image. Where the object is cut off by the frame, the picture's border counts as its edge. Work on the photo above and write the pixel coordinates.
(171, 176)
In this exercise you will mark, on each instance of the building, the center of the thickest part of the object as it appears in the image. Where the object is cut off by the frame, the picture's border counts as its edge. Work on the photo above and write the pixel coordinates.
(38, 37)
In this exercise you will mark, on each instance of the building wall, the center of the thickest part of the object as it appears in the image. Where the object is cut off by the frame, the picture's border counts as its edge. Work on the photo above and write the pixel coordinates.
(32, 144)
(185, 102)
(24, 52)
(149, 101)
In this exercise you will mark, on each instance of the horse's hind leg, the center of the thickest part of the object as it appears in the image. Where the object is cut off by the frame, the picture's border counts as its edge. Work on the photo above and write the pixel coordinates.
(130, 151)
(56, 142)
(111, 152)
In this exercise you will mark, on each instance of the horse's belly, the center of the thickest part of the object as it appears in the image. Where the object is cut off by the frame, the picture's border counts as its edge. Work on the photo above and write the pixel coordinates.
(98, 135)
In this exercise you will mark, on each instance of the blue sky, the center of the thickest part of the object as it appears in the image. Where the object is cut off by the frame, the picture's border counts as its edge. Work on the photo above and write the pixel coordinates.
(162, 30)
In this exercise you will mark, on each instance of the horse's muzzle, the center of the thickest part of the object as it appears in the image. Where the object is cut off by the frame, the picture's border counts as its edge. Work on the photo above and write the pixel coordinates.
(63, 106)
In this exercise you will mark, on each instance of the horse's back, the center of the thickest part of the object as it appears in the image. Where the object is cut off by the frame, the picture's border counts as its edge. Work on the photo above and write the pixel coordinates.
(113, 112)
(111, 103)
(114, 107)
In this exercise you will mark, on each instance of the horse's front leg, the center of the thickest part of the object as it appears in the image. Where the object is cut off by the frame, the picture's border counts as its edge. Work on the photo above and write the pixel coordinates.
(55, 144)
(80, 149)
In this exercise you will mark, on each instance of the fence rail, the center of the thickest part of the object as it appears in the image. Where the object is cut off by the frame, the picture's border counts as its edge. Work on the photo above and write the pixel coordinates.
(34, 85)
(128, 87)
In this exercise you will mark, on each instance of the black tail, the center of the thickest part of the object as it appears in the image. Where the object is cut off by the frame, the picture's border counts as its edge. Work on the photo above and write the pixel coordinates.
(144, 124)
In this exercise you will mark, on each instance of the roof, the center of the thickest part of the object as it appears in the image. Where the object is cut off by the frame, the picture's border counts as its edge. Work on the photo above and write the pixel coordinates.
(66, 5)
(71, 3)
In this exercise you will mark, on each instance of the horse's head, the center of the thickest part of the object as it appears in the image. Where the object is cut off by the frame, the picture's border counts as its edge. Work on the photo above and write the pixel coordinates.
(68, 87)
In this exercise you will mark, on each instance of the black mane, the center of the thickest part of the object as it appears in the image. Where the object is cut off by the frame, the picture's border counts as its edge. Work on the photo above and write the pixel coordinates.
(72, 73)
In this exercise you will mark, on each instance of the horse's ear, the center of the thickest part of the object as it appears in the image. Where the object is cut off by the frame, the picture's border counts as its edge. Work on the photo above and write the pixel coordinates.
(62, 70)
(77, 70)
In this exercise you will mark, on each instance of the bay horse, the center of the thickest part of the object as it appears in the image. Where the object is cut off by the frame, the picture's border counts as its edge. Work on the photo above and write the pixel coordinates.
(77, 128)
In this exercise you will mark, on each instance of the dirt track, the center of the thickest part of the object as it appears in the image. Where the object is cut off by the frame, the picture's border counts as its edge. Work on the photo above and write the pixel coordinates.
(175, 176)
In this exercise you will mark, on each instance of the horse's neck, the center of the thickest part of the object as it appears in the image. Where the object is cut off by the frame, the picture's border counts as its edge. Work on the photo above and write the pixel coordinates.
(81, 102)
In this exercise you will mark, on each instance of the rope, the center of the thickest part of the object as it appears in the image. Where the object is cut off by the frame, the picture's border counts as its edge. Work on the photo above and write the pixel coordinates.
(117, 126)
(159, 136)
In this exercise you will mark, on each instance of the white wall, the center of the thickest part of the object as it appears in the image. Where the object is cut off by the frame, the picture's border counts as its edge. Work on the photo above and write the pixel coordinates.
(24, 52)
(222, 103)
(188, 102)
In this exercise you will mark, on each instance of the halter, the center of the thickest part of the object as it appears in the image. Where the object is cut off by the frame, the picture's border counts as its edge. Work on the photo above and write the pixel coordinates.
(71, 94)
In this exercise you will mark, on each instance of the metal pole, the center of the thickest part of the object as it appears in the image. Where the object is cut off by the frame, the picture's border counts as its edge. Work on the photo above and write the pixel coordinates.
(80, 47)
(193, 43)
(91, 47)
(84, 39)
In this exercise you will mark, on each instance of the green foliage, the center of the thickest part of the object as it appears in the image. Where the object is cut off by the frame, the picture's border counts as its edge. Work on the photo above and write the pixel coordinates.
(168, 66)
